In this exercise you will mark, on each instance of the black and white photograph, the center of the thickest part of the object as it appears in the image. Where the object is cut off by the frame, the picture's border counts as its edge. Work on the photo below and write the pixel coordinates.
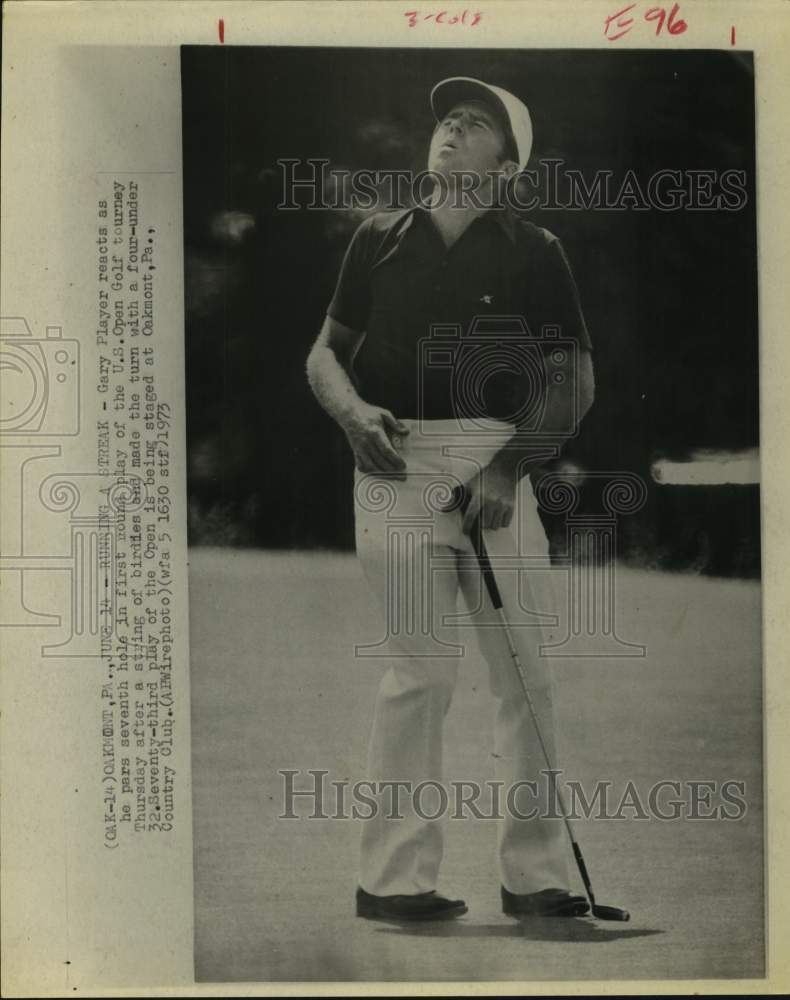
(393, 570)
(473, 477)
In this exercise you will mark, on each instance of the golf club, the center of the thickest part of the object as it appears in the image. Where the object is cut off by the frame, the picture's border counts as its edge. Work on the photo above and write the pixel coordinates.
(598, 910)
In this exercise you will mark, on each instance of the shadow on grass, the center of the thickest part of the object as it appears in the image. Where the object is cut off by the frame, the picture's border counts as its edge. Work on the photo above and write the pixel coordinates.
(583, 930)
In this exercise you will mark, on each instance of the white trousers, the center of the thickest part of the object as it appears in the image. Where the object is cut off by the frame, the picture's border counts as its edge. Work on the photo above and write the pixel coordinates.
(417, 561)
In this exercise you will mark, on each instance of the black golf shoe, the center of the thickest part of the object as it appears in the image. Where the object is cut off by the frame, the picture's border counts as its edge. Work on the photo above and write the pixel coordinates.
(547, 903)
(423, 906)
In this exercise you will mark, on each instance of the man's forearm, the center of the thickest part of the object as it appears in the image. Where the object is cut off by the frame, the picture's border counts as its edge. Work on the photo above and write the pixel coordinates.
(331, 384)
(368, 428)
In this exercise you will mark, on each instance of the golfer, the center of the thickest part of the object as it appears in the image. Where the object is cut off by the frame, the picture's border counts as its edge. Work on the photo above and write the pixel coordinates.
(436, 408)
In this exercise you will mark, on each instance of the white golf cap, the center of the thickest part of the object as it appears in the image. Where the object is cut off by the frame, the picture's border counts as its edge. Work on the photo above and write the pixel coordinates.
(455, 89)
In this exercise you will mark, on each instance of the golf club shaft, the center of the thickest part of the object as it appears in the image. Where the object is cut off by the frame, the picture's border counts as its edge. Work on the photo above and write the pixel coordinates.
(496, 599)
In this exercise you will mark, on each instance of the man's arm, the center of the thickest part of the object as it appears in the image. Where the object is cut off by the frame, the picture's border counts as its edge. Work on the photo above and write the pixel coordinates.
(494, 492)
(368, 428)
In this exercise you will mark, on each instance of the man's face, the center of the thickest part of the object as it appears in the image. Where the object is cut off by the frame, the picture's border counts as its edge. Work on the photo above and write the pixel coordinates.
(468, 138)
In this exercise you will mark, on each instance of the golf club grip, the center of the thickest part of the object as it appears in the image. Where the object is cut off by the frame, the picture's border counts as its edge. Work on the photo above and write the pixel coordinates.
(485, 564)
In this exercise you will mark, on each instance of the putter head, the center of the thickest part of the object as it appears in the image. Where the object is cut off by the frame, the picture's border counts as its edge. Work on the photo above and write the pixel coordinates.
(610, 913)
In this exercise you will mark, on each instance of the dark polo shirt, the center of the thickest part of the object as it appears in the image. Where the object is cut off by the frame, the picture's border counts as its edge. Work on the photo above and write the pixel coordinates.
(436, 318)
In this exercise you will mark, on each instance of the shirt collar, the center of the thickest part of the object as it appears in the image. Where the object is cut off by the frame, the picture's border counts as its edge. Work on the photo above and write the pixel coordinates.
(506, 221)
(502, 216)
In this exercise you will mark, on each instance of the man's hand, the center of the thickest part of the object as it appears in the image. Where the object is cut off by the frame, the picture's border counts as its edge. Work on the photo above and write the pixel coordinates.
(493, 496)
(369, 430)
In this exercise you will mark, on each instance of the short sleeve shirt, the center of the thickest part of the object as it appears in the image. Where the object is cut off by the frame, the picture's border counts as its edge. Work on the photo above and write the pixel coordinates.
(450, 332)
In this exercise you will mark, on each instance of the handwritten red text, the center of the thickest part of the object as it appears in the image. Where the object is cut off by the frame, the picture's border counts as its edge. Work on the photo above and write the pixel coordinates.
(622, 21)
(469, 18)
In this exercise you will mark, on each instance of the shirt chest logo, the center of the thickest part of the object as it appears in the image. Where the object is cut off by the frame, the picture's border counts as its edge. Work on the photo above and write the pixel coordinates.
(488, 299)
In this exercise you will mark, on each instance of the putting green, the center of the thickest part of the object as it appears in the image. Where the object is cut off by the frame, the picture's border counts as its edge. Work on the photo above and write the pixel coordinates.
(275, 686)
